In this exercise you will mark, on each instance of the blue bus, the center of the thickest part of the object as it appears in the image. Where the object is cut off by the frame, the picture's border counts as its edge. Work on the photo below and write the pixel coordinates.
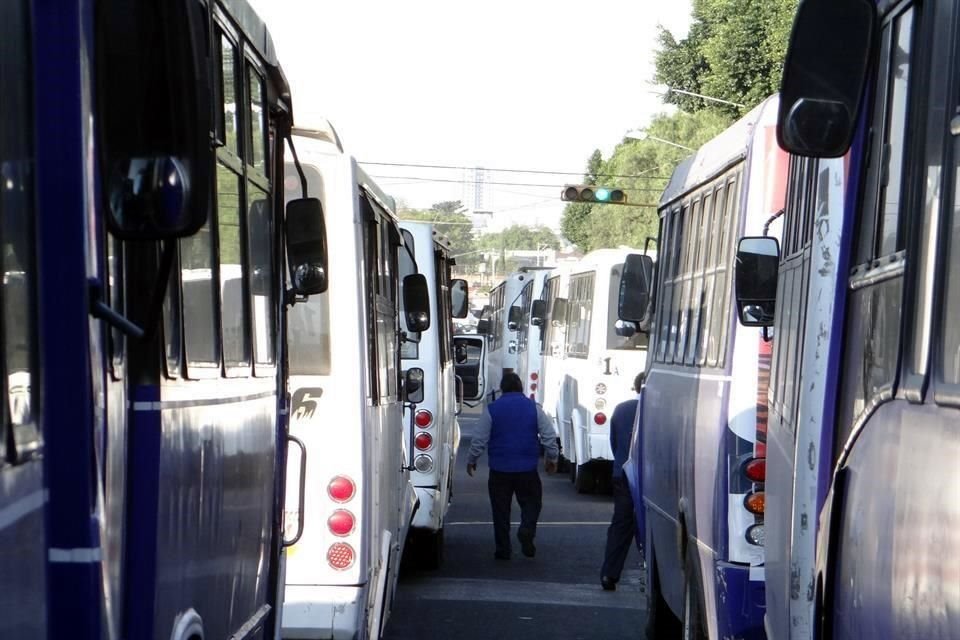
(696, 465)
(864, 298)
(143, 435)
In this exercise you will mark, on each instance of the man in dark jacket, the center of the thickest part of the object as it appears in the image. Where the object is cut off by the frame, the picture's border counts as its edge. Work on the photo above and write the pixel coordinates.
(623, 527)
(511, 431)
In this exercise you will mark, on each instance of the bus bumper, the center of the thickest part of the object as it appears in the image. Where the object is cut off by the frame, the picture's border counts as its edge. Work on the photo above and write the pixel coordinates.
(599, 444)
(322, 612)
(740, 603)
(430, 514)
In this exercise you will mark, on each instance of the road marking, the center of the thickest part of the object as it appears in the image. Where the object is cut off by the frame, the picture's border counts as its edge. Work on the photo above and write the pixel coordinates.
(539, 524)
(21, 507)
(560, 594)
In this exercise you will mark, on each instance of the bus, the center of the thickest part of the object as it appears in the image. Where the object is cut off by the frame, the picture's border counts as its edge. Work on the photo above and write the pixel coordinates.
(433, 431)
(863, 296)
(596, 364)
(554, 339)
(496, 321)
(531, 334)
(142, 438)
(701, 423)
(358, 502)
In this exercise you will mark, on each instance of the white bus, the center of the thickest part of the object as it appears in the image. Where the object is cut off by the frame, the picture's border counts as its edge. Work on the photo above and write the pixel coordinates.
(593, 368)
(347, 397)
(531, 334)
(500, 321)
(433, 432)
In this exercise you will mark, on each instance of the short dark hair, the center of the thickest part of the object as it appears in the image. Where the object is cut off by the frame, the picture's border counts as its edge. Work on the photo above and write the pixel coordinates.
(511, 383)
(639, 380)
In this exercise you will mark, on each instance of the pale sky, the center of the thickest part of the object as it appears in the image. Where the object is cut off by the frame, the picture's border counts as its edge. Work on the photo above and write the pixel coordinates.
(525, 84)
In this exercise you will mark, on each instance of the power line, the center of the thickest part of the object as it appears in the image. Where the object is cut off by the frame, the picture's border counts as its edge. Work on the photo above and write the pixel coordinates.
(508, 184)
(536, 171)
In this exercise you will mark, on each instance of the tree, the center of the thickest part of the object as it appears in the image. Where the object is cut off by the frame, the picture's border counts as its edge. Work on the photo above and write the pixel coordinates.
(575, 214)
(652, 162)
(450, 220)
(734, 50)
(520, 237)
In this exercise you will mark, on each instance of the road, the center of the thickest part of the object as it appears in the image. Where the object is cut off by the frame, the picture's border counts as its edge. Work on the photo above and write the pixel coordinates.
(556, 595)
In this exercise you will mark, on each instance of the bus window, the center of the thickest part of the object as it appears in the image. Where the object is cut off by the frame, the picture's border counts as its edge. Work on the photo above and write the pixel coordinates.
(410, 348)
(200, 324)
(259, 235)
(639, 339)
(256, 116)
(228, 94)
(16, 227)
(580, 314)
(950, 359)
(236, 351)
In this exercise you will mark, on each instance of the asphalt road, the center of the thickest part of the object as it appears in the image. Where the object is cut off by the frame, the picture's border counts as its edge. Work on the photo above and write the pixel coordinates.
(556, 595)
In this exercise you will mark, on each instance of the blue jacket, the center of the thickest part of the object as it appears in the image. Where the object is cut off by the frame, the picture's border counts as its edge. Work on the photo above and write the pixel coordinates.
(511, 431)
(621, 427)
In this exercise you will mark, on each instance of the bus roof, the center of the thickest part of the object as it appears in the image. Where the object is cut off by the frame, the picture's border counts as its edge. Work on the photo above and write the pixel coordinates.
(719, 153)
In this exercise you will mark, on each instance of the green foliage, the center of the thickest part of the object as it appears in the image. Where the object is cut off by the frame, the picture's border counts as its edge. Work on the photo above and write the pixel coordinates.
(734, 50)
(450, 219)
(610, 225)
(520, 237)
(575, 215)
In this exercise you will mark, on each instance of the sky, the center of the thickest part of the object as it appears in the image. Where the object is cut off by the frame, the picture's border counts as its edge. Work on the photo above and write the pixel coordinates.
(515, 84)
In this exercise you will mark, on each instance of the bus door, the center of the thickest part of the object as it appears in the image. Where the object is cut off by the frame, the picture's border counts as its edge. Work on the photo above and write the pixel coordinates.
(470, 355)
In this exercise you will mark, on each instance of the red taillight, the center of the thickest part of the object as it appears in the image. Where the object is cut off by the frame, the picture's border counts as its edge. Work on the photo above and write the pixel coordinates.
(754, 502)
(599, 418)
(341, 522)
(533, 386)
(756, 469)
(423, 418)
(340, 556)
(423, 441)
(534, 376)
(341, 489)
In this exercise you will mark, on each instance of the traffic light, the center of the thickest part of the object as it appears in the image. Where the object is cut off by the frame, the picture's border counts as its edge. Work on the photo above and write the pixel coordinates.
(592, 193)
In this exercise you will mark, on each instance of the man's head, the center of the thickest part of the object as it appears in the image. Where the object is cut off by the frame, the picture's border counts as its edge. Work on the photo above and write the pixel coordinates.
(638, 381)
(511, 383)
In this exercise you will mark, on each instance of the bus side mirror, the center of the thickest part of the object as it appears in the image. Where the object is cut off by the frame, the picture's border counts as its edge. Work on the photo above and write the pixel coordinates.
(416, 302)
(538, 313)
(831, 47)
(307, 246)
(636, 285)
(514, 318)
(459, 298)
(413, 385)
(153, 117)
(755, 276)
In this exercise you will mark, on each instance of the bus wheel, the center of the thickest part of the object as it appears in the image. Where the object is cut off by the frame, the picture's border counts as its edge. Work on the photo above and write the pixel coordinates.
(586, 479)
(430, 552)
(572, 470)
(661, 623)
(692, 607)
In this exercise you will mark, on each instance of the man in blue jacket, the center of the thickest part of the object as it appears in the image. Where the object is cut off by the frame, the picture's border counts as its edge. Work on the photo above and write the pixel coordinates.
(511, 431)
(623, 528)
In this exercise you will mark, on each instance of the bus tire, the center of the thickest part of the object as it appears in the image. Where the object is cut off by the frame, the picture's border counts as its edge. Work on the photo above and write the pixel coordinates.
(586, 479)
(692, 622)
(430, 556)
(661, 623)
(572, 470)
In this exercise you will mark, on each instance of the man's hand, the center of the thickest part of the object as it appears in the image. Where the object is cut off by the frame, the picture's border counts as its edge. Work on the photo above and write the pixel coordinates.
(471, 468)
(550, 466)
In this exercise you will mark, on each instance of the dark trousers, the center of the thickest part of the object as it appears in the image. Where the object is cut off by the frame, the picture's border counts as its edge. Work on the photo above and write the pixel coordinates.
(622, 531)
(502, 486)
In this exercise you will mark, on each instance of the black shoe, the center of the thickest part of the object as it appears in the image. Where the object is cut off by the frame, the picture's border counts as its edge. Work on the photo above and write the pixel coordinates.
(526, 543)
(501, 555)
(608, 584)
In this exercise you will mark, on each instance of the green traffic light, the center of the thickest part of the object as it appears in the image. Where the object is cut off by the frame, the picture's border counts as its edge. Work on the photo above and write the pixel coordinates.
(602, 194)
